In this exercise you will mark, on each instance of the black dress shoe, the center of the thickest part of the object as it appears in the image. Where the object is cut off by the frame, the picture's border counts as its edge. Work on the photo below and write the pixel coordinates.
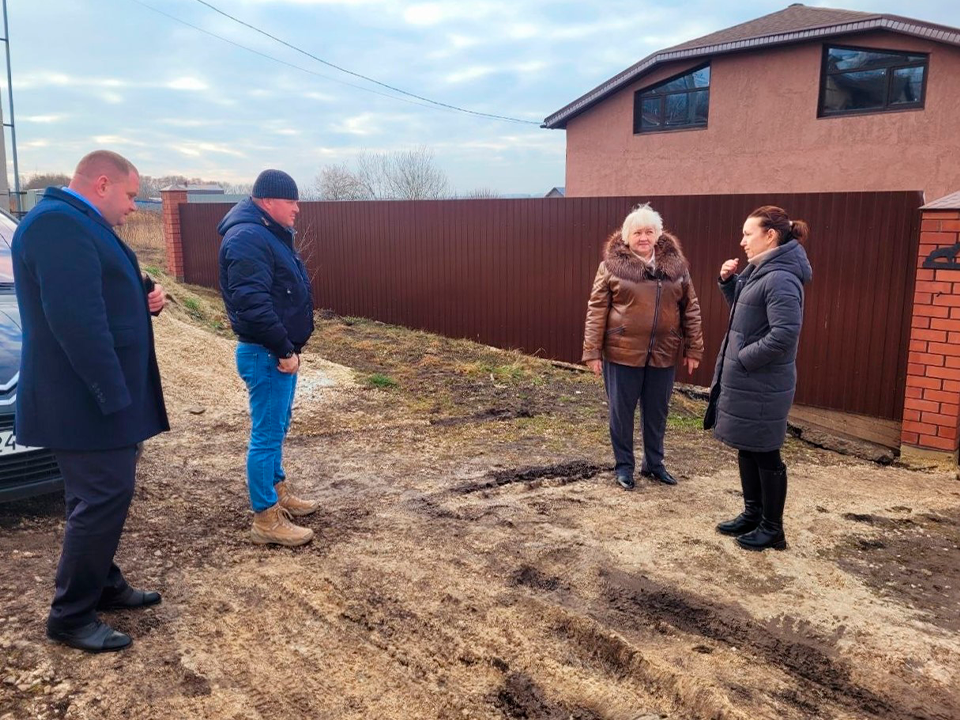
(660, 474)
(129, 599)
(94, 637)
(626, 481)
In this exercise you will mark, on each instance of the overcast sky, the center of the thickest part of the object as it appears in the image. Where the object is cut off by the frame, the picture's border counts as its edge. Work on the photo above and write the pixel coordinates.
(176, 101)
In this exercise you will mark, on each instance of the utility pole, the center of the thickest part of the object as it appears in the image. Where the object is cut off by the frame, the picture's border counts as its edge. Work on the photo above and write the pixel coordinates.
(12, 124)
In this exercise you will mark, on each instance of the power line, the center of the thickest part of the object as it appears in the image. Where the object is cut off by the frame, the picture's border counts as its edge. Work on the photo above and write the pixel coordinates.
(278, 60)
(364, 77)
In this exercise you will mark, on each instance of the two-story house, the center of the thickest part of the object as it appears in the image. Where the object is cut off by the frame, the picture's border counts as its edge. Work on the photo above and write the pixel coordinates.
(807, 99)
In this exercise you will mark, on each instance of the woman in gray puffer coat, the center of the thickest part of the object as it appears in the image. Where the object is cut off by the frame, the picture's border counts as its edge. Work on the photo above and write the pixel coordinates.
(757, 369)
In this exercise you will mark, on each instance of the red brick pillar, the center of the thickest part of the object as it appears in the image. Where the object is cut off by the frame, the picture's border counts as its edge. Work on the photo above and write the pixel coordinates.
(173, 197)
(931, 411)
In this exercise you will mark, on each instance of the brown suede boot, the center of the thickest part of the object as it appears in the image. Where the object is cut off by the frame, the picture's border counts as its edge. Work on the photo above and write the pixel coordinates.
(291, 503)
(273, 527)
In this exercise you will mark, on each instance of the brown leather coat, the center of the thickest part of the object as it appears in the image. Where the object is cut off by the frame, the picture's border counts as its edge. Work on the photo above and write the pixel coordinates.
(635, 313)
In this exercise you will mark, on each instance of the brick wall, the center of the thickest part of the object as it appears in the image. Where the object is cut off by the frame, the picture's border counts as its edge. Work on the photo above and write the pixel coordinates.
(931, 415)
(172, 199)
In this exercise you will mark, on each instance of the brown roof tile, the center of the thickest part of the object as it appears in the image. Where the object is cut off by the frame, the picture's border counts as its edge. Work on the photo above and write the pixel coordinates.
(793, 19)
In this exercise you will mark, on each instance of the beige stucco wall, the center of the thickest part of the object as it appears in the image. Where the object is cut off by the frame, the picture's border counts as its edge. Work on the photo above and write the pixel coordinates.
(763, 133)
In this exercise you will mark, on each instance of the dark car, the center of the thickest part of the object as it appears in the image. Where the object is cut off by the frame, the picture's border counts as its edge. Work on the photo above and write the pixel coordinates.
(24, 471)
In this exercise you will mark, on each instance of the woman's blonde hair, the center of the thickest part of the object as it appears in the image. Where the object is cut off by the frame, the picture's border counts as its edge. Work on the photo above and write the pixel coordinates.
(641, 216)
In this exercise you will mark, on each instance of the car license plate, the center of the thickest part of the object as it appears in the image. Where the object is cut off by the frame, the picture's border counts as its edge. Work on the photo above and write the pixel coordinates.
(8, 444)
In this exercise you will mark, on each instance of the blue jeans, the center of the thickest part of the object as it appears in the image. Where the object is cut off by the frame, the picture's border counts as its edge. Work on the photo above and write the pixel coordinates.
(271, 408)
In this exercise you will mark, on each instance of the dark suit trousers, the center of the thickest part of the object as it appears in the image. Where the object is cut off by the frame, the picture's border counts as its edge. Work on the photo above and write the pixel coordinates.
(627, 387)
(98, 487)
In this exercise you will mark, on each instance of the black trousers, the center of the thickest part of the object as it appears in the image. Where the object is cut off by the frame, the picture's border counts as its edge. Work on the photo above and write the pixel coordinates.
(98, 487)
(627, 387)
(769, 461)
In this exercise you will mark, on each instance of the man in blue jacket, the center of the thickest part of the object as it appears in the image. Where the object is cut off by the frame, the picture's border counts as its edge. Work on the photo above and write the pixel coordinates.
(266, 291)
(89, 385)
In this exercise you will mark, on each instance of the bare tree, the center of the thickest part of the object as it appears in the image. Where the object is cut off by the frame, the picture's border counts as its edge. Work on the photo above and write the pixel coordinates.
(39, 181)
(338, 182)
(483, 194)
(402, 175)
(372, 174)
(236, 188)
(413, 175)
(305, 242)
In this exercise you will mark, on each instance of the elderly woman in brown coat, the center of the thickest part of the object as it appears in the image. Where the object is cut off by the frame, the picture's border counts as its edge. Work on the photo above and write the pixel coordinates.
(642, 318)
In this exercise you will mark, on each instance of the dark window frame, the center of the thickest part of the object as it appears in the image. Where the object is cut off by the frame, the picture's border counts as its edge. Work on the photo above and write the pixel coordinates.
(891, 68)
(638, 97)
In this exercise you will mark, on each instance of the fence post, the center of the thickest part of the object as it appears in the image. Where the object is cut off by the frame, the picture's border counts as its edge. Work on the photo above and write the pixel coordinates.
(173, 197)
(931, 410)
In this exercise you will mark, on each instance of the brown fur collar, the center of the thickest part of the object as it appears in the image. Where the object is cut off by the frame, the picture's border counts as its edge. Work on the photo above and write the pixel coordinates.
(668, 256)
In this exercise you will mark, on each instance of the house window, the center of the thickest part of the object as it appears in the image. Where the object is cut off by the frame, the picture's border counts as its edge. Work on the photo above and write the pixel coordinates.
(680, 102)
(861, 80)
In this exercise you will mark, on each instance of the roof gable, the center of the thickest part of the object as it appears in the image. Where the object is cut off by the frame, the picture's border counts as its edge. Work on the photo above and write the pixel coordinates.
(793, 24)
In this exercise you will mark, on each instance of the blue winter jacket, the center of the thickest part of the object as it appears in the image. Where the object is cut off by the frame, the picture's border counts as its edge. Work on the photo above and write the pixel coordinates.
(264, 283)
(760, 364)
(88, 367)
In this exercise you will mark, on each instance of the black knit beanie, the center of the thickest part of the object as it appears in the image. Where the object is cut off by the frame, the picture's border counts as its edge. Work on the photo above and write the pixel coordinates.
(275, 184)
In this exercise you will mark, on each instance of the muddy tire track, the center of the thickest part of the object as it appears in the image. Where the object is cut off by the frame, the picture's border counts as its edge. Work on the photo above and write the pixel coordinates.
(553, 475)
(520, 697)
(822, 678)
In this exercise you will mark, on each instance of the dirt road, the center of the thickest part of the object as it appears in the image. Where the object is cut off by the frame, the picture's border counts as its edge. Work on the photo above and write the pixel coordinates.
(475, 559)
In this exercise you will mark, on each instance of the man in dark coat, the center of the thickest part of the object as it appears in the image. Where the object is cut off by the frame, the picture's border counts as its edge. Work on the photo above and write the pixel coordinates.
(89, 384)
(266, 291)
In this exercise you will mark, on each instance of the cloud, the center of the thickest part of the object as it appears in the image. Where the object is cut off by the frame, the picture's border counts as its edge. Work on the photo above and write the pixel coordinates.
(319, 97)
(59, 79)
(188, 123)
(187, 83)
(349, 3)
(117, 140)
(362, 124)
(473, 72)
(197, 149)
(42, 118)
(435, 13)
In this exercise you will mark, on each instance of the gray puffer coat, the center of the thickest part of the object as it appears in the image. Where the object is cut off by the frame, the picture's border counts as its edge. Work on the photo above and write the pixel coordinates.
(759, 354)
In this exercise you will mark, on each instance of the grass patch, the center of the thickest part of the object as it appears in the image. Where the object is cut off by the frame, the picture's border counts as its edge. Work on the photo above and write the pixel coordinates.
(152, 270)
(380, 381)
(684, 422)
(512, 372)
(193, 307)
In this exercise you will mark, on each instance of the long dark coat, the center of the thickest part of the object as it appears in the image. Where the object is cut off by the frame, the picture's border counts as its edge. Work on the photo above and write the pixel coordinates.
(760, 359)
(88, 367)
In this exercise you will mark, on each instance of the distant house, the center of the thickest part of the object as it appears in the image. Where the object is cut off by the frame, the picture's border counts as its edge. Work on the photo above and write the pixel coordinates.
(557, 192)
(208, 193)
(807, 99)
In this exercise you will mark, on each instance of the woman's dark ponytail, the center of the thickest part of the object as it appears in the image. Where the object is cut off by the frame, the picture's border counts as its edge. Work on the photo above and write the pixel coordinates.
(772, 217)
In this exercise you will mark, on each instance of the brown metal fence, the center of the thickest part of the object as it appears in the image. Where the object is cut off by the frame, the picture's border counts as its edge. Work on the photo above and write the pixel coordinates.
(517, 274)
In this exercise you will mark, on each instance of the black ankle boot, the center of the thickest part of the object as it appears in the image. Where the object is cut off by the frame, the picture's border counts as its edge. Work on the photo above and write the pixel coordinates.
(769, 534)
(749, 519)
